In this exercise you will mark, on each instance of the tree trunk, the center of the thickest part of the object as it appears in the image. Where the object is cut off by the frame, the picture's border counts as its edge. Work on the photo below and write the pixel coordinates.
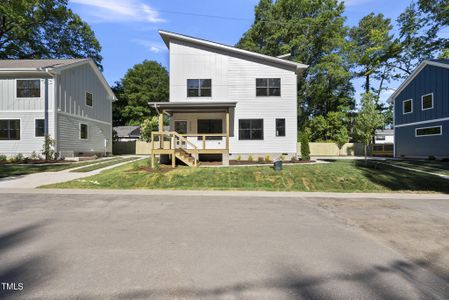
(367, 84)
(366, 157)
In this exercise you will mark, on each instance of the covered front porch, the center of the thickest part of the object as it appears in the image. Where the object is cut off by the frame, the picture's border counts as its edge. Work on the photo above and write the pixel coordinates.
(197, 130)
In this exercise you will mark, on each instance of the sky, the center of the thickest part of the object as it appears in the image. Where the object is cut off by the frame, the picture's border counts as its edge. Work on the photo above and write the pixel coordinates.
(128, 29)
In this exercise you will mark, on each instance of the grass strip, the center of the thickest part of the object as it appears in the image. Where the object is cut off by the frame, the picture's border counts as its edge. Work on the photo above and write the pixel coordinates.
(103, 164)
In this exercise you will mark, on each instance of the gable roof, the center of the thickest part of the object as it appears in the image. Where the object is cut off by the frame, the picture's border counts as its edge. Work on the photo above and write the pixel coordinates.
(51, 66)
(127, 131)
(167, 36)
(442, 63)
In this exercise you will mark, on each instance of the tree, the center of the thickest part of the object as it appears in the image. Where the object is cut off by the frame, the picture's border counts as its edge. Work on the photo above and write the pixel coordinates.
(327, 128)
(44, 29)
(313, 33)
(147, 127)
(305, 148)
(371, 47)
(439, 10)
(368, 119)
(143, 83)
(341, 138)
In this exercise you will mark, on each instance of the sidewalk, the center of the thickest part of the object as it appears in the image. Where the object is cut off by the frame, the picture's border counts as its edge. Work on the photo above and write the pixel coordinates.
(32, 181)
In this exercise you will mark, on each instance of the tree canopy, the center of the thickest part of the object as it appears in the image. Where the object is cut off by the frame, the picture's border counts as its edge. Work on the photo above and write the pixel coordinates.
(143, 83)
(44, 29)
(313, 32)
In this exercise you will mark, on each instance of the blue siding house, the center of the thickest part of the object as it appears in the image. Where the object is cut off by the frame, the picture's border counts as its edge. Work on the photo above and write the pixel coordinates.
(421, 112)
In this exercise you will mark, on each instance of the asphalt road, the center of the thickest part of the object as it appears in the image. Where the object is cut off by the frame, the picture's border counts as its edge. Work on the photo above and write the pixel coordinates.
(117, 246)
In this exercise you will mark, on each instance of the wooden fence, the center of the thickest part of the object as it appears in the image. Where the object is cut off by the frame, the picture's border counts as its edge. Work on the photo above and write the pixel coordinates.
(331, 149)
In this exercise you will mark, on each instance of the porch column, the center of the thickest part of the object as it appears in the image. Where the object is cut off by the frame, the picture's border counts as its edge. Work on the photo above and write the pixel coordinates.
(161, 130)
(227, 129)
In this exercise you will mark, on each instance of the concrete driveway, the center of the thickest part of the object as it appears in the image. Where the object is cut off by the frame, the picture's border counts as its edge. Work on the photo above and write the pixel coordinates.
(175, 245)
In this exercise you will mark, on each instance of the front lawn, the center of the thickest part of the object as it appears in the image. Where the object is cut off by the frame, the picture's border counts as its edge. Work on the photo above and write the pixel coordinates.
(23, 169)
(433, 166)
(337, 176)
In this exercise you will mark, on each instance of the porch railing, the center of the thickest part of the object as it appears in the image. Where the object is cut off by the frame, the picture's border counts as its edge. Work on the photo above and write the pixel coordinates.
(171, 140)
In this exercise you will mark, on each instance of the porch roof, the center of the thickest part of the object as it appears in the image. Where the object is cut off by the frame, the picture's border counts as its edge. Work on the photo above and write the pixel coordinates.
(192, 106)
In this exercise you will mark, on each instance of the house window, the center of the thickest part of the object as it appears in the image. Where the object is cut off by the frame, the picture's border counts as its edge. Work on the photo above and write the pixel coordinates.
(83, 131)
(268, 87)
(29, 88)
(428, 131)
(251, 129)
(280, 127)
(89, 99)
(9, 129)
(199, 87)
(39, 127)
(427, 101)
(210, 126)
(407, 106)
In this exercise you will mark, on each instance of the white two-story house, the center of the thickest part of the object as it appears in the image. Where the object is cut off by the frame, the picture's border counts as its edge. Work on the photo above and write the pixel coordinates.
(226, 102)
(66, 99)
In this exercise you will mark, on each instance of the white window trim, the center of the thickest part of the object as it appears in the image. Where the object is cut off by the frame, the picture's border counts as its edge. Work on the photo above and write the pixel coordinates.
(268, 87)
(85, 99)
(440, 126)
(199, 90)
(28, 98)
(403, 106)
(21, 130)
(422, 101)
(38, 137)
(80, 132)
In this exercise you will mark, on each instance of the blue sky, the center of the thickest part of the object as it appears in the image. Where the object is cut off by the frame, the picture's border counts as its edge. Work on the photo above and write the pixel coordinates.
(128, 29)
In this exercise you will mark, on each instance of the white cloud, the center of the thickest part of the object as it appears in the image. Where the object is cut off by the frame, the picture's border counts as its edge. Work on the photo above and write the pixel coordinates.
(151, 46)
(120, 10)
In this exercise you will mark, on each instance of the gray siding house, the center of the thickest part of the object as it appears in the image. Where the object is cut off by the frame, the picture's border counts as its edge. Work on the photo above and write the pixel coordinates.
(68, 99)
(421, 112)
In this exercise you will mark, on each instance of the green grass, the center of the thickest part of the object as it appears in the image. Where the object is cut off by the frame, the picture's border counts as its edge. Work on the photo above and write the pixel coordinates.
(100, 165)
(23, 169)
(337, 176)
(433, 166)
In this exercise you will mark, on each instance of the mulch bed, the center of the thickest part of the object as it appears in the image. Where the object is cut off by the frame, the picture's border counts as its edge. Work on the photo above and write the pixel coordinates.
(36, 162)
(255, 162)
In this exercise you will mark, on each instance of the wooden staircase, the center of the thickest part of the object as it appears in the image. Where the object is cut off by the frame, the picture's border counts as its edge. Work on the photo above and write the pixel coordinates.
(186, 157)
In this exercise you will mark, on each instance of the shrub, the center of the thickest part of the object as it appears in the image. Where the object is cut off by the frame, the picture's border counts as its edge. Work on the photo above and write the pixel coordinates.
(48, 149)
(260, 159)
(239, 158)
(293, 158)
(147, 127)
(250, 158)
(19, 157)
(3, 158)
(281, 157)
(267, 158)
(431, 157)
(305, 148)
(446, 159)
(34, 155)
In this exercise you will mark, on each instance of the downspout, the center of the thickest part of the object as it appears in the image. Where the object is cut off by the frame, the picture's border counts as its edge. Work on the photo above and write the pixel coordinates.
(46, 106)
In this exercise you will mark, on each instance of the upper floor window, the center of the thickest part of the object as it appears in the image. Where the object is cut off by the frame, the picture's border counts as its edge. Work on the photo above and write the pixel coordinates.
(268, 87)
(89, 99)
(407, 106)
(39, 127)
(199, 87)
(427, 101)
(9, 129)
(28, 88)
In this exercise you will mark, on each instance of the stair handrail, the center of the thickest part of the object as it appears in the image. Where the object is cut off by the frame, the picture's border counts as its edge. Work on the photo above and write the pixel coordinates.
(195, 148)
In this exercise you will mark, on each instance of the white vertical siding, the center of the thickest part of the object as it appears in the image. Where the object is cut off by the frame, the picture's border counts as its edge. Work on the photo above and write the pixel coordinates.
(234, 79)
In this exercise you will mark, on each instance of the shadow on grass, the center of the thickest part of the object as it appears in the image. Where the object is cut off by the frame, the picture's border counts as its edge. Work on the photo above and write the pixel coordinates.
(389, 281)
(30, 270)
(397, 179)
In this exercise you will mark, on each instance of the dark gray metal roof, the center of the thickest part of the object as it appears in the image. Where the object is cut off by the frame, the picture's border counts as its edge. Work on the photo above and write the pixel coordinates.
(127, 131)
(38, 63)
(441, 61)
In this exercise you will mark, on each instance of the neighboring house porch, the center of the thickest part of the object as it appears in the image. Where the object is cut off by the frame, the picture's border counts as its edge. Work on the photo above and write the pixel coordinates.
(197, 129)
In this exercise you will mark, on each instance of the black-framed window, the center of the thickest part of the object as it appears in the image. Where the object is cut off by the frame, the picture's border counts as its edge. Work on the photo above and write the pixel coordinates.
(280, 127)
(426, 131)
(39, 127)
(210, 126)
(84, 131)
(268, 87)
(89, 99)
(199, 87)
(28, 88)
(427, 101)
(9, 129)
(407, 106)
(251, 129)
